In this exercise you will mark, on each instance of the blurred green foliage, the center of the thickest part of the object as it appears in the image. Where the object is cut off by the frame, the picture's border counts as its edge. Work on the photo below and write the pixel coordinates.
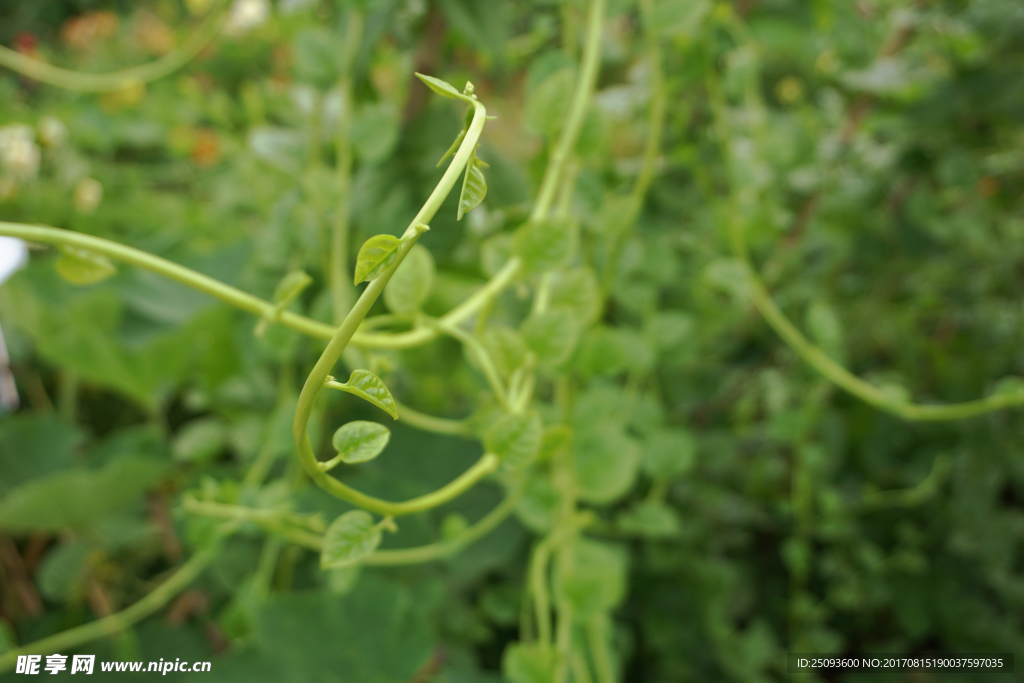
(738, 505)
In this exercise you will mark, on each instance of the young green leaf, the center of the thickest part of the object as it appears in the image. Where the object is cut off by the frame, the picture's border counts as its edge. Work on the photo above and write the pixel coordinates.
(82, 266)
(444, 89)
(515, 438)
(376, 254)
(290, 286)
(545, 245)
(349, 539)
(368, 386)
(359, 441)
(474, 187)
(410, 286)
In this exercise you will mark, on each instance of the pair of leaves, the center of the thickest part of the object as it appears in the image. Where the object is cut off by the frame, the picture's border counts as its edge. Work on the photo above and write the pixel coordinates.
(358, 441)
(474, 185)
(349, 540)
(369, 387)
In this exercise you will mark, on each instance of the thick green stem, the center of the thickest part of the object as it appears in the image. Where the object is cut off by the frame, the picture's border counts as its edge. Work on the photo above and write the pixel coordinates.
(577, 110)
(116, 80)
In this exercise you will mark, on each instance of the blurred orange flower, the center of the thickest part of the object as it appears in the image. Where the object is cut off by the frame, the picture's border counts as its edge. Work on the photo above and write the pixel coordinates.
(206, 148)
(82, 33)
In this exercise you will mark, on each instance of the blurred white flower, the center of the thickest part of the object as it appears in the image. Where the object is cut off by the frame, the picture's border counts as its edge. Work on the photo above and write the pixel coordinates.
(19, 154)
(13, 255)
(87, 195)
(52, 131)
(246, 15)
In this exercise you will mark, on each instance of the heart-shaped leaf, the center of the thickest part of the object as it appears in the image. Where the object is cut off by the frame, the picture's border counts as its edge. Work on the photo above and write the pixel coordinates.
(515, 438)
(474, 187)
(359, 441)
(82, 266)
(349, 539)
(368, 386)
(376, 254)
